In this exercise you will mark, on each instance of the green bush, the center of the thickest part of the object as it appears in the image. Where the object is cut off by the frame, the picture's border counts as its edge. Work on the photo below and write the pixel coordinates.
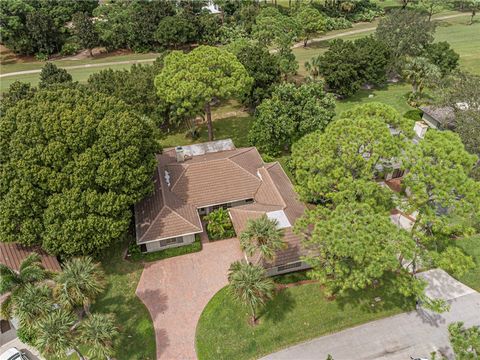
(337, 23)
(41, 57)
(26, 335)
(414, 114)
(69, 49)
(219, 225)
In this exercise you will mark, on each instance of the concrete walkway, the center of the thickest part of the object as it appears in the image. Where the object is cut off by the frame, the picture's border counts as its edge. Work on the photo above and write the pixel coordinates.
(417, 333)
(176, 291)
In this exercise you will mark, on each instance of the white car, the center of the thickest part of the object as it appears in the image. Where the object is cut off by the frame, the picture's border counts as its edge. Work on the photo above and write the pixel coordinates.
(13, 354)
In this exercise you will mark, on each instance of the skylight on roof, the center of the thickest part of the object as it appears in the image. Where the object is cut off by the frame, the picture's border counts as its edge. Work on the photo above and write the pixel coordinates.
(282, 220)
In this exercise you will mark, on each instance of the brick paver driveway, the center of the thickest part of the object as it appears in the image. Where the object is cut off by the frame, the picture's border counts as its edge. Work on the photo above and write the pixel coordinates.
(176, 290)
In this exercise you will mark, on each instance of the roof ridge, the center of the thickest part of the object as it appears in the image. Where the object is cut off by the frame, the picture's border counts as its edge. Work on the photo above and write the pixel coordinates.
(184, 167)
(244, 170)
(188, 221)
(275, 188)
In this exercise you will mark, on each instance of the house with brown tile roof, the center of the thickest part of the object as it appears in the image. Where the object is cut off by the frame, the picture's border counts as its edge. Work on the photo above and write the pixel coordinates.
(191, 181)
(12, 255)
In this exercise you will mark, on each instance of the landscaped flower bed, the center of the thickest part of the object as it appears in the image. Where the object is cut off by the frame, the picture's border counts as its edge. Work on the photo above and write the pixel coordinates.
(219, 226)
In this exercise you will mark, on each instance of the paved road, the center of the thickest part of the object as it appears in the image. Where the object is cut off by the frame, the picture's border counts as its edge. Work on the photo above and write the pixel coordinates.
(416, 333)
(300, 44)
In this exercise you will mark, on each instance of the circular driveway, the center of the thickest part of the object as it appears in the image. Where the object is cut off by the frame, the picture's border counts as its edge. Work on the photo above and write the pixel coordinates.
(177, 289)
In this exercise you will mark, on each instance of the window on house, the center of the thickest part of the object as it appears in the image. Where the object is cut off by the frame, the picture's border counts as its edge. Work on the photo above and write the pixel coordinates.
(397, 173)
(289, 266)
(176, 240)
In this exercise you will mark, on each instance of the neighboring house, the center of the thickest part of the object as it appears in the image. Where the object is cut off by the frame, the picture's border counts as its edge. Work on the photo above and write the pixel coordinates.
(439, 118)
(191, 181)
(12, 255)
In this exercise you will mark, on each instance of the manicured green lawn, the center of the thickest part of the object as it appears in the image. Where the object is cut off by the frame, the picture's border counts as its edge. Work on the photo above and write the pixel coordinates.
(471, 245)
(235, 128)
(13, 65)
(296, 314)
(392, 94)
(80, 75)
(136, 338)
(464, 39)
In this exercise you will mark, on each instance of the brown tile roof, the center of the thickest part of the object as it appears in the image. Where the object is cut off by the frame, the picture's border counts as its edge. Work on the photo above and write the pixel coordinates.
(12, 255)
(162, 215)
(276, 193)
(217, 178)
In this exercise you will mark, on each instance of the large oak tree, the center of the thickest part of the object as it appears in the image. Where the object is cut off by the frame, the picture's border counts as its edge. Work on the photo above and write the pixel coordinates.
(71, 166)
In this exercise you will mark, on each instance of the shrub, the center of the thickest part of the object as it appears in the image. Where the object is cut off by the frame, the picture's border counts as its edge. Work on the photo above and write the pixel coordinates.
(219, 225)
(26, 335)
(337, 23)
(41, 57)
(69, 49)
(414, 114)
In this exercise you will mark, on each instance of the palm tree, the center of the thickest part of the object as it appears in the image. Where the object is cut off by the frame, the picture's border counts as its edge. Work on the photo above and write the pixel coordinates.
(312, 67)
(79, 283)
(418, 71)
(262, 236)
(55, 333)
(33, 303)
(250, 285)
(13, 283)
(97, 332)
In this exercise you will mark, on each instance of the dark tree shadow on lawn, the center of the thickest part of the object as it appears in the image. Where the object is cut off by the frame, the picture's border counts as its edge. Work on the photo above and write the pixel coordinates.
(375, 299)
(276, 309)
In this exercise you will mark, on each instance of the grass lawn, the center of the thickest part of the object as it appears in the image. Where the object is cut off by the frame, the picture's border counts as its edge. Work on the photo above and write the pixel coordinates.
(392, 94)
(137, 336)
(80, 75)
(235, 128)
(463, 38)
(296, 314)
(471, 245)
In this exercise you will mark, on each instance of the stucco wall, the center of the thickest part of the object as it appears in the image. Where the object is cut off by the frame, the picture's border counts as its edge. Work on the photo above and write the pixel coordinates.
(274, 271)
(155, 245)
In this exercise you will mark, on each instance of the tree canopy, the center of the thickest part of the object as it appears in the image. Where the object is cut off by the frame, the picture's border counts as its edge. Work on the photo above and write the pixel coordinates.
(261, 65)
(71, 165)
(31, 27)
(354, 147)
(353, 246)
(406, 33)
(310, 22)
(347, 65)
(190, 82)
(290, 113)
(52, 75)
(174, 31)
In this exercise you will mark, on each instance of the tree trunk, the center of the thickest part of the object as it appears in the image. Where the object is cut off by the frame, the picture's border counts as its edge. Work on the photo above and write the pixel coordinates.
(90, 52)
(289, 4)
(471, 18)
(305, 41)
(208, 112)
(414, 87)
(254, 316)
